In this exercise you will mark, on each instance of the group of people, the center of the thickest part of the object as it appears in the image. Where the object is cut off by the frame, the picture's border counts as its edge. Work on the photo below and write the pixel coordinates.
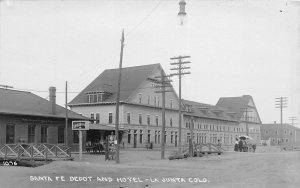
(107, 146)
(242, 146)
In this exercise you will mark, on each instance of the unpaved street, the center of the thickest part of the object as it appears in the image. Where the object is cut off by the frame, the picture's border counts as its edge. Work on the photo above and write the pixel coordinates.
(144, 169)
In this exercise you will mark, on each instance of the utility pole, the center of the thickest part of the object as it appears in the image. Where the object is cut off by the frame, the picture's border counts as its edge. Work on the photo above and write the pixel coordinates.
(293, 118)
(281, 103)
(118, 99)
(162, 84)
(246, 110)
(66, 127)
(179, 74)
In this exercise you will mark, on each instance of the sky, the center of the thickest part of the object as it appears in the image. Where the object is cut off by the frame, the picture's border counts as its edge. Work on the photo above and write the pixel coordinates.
(237, 47)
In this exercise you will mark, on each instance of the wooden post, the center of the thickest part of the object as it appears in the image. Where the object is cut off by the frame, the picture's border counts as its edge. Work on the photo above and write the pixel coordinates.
(5, 157)
(66, 126)
(80, 145)
(31, 152)
(46, 155)
(18, 152)
(118, 98)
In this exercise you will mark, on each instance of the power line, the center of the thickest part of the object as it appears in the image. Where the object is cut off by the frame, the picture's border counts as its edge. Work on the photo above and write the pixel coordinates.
(144, 19)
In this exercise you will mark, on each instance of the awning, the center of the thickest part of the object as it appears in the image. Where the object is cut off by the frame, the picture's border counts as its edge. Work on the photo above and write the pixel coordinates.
(104, 127)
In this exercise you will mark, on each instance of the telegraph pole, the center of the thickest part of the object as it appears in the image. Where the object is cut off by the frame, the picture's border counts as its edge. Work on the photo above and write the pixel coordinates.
(162, 84)
(293, 118)
(281, 103)
(118, 99)
(66, 127)
(180, 72)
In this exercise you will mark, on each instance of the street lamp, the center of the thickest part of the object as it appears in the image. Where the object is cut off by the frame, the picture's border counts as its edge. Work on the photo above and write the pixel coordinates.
(181, 14)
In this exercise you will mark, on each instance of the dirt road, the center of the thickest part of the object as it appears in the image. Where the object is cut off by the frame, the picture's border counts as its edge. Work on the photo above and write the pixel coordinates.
(145, 169)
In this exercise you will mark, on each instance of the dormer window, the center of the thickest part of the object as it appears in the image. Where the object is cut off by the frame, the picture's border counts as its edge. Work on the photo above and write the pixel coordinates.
(97, 96)
(90, 98)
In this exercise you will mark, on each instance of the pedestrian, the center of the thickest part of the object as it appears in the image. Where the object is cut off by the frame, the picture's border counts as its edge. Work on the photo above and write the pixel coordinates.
(254, 147)
(236, 145)
(219, 143)
(240, 145)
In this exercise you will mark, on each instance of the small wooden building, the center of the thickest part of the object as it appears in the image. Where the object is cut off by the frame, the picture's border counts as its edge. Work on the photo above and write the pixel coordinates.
(28, 118)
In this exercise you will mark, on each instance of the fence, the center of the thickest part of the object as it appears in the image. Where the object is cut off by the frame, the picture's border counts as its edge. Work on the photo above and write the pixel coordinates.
(35, 152)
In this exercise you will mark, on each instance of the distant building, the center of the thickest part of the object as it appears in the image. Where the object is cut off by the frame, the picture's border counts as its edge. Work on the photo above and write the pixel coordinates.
(275, 134)
(208, 123)
(28, 118)
(141, 112)
(246, 112)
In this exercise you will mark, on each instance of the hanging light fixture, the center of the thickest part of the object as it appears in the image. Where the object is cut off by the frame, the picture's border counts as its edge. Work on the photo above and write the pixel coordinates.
(182, 14)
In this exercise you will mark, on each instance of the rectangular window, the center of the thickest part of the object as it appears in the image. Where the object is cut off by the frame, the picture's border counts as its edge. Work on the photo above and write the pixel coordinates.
(44, 130)
(90, 98)
(99, 97)
(129, 137)
(76, 137)
(158, 137)
(97, 118)
(128, 118)
(155, 139)
(31, 133)
(140, 119)
(156, 120)
(148, 99)
(171, 122)
(149, 134)
(61, 135)
(157, 101)
(171, 103)
(110, 118)
(148, 119)
(141, 136)
(171, 137)
(154, 101)
(95, 98)
(10, 133)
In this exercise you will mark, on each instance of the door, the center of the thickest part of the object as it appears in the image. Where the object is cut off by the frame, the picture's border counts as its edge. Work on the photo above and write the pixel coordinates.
(134, 140)
(175, 140)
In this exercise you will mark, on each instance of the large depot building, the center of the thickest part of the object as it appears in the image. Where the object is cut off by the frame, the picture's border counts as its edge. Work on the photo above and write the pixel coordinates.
(141, 112)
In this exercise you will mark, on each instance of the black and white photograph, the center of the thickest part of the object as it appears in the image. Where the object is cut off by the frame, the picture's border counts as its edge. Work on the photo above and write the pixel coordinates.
(149, 93)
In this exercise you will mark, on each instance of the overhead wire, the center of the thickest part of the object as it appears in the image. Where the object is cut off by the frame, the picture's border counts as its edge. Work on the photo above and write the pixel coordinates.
(144, 19)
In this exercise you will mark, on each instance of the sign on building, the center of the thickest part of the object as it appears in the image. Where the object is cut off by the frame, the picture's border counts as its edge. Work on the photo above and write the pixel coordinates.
(80, 125)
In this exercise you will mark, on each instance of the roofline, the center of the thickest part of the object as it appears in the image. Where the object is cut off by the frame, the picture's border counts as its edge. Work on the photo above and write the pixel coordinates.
(211, 118)
(41, 115)
(121, 102)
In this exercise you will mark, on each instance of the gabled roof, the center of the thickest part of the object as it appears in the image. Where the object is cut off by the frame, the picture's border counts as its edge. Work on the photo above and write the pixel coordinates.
(209, 111)
(25, 103)
(132, 78)
(278, 126)
(236, 104)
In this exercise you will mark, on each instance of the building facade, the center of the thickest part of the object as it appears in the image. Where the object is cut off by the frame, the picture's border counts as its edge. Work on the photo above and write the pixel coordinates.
(28, 118)
(276, 134)
(208, 123)
(246, 113)
(140, 112)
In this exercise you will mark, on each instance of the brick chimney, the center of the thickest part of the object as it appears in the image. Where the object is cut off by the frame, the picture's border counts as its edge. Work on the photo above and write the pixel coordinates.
(52, 99)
